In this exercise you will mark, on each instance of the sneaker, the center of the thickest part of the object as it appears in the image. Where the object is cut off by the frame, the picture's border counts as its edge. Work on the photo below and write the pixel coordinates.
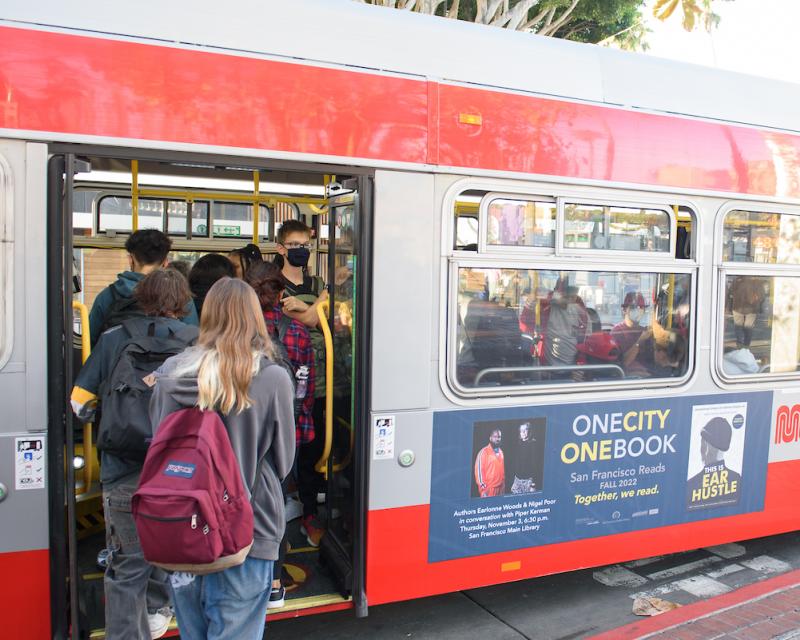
(294, 509)
(311, 530)
(102, 558)
(159, 621)
(276, 598)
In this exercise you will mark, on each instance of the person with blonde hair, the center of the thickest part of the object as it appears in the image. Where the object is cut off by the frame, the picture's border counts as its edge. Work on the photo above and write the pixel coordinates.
(232, 371)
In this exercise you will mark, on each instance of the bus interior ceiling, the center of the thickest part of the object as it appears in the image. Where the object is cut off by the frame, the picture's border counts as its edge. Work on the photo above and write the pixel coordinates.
(221, 199)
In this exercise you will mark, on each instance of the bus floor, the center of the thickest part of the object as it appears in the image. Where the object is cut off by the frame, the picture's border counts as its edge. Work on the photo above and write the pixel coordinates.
(308, 583)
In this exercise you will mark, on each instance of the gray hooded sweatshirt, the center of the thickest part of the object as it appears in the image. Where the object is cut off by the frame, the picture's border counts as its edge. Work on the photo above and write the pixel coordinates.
(262, 437)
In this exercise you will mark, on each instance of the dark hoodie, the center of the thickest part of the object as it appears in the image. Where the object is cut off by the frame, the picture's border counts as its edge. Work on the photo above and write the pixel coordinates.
(125, 284)
(264, 432)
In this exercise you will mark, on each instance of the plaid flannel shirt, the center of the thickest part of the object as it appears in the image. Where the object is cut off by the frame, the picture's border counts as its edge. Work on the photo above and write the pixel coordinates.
(300, 352)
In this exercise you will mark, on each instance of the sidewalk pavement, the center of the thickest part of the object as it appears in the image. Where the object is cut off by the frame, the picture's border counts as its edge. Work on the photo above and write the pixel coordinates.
(766, 610)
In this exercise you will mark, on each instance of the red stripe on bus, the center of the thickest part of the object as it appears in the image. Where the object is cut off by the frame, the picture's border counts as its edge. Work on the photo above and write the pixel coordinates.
(25, 594)
(60, 83)
(82, 85)
(536, 135)
(397, 546)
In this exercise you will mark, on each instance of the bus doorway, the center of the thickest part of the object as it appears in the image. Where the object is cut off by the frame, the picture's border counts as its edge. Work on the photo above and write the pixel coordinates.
(210, 207)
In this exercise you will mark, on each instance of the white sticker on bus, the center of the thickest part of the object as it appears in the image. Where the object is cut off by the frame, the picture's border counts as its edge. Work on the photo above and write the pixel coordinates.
(383, 437)
(29, 463)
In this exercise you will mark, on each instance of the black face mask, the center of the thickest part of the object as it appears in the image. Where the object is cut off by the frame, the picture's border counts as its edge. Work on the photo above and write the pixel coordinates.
(298, 257)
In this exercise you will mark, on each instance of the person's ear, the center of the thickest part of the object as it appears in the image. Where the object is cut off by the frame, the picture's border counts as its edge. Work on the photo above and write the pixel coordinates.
(165, 263)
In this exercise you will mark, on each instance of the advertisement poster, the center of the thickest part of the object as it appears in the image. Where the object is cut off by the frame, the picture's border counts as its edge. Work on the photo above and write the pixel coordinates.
(512, 478)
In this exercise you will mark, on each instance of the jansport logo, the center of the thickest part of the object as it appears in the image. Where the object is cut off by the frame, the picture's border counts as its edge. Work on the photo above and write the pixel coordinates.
(179, 469)
(787, 424)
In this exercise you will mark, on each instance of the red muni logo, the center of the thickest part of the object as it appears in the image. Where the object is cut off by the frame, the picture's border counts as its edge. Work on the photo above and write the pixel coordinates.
(787, 424)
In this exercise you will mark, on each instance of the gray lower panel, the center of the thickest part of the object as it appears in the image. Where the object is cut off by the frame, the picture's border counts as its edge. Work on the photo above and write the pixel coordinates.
(23, 512)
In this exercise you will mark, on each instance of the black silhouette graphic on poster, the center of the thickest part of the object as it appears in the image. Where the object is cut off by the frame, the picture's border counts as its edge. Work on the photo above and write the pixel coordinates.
(716, 454)
(508, 457)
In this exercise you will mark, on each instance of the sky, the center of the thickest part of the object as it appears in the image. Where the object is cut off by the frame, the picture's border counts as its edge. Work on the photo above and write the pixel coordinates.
(758, 37)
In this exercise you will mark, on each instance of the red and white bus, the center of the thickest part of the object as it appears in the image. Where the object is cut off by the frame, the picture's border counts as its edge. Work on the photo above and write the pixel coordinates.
(565, 290)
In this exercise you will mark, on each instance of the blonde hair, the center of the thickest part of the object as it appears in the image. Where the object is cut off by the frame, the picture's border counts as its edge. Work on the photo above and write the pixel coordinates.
(233, 337)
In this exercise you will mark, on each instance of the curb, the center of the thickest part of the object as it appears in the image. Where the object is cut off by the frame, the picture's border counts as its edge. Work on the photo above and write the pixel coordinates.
(697, 610)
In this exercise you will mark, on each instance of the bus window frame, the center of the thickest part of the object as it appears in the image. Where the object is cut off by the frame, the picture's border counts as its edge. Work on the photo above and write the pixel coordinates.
(723, 269)
(6, 261)
(493, 262)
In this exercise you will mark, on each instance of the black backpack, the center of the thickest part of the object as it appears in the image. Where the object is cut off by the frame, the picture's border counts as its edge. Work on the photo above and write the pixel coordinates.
(125, 428)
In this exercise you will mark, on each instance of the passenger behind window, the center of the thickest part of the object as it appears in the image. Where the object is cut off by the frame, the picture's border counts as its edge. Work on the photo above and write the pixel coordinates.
(564, 324)
(627, 333)
(746, 297)
(661, 353)
(491, 339)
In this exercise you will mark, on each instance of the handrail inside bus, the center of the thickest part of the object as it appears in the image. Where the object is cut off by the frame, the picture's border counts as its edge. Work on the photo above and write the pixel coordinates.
(547, 368)
(86, 350)
(323, 308)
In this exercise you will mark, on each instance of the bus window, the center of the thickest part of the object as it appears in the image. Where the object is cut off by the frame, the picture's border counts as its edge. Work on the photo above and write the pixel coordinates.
(761, 325)
(616, 228)
(176, 218)
(765, 238)
(235, 219)
(114, 214)
(525, 327)
(520, 223)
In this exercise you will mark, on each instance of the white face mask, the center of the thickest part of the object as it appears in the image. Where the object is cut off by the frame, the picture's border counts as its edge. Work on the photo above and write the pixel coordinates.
(636, 314)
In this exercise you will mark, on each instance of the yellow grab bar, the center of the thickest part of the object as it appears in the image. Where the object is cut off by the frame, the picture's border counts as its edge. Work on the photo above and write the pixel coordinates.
(323, 308)
(86, 349)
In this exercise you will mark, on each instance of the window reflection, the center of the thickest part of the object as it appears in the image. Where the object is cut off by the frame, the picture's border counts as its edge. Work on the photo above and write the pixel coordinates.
(766, 238)
(762, 325)
(521, 223)
(531, 327)
(616, 228)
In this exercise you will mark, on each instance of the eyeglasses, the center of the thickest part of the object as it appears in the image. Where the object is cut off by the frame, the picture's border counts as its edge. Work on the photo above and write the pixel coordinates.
(297, 245)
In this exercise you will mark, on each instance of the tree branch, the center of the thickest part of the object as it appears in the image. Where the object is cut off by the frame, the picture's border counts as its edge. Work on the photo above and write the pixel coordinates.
(519, 13)
(535, 20)
(453, 11)
(557, 25)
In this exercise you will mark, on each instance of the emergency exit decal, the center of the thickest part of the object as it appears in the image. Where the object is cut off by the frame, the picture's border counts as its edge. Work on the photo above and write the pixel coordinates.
(505, 479)
(29, 463)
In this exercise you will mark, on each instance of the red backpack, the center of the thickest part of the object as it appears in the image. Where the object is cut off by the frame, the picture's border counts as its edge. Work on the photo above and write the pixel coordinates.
(191, 509)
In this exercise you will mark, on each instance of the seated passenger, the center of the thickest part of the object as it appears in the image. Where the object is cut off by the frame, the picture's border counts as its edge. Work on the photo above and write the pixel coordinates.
(492, 339)
(627, 332)
(205, 272)
(147, 251)
(661, 353)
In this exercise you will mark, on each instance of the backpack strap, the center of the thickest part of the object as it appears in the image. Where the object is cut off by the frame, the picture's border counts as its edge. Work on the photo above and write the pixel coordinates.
(283, 326)
(317, 285)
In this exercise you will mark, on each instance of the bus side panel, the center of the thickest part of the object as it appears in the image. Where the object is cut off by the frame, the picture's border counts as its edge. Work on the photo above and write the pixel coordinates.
(364, 115)
(24, 536)
(397, 549)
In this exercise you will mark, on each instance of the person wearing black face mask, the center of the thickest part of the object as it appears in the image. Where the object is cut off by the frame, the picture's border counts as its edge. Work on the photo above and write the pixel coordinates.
(302, 294)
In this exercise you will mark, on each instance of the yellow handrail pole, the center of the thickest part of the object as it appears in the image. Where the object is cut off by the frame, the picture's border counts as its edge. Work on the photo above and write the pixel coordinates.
(323, 308)
(197, 194)
(135, 195)
(255, 206)
(86, 349)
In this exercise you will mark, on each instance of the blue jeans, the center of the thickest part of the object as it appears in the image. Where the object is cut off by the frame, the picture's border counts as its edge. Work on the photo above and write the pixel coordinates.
(229, 605)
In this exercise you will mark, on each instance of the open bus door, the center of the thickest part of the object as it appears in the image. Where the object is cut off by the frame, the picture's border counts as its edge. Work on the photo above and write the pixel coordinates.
(344, 321)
